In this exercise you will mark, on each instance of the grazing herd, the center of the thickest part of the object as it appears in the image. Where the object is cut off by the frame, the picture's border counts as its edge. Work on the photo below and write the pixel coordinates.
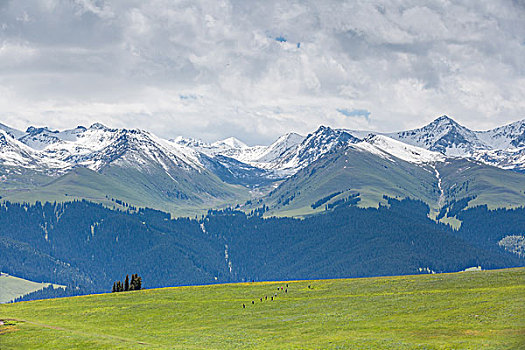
(280, 289)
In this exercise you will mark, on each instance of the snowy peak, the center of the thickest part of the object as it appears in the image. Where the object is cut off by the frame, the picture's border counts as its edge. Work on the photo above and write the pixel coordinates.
(99, 126)
(15, 153)
(443, 135)
(40, 137)
(268, 157)
(314, 146)
(188, 142)
(99, 146)
(230, 142)
(325, 139)
(507, 136)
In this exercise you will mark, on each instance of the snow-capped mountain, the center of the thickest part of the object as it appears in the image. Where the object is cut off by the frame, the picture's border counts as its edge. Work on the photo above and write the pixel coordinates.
(313, 147)
(15, 153)
(98, 146)
(230, 147)
(100, 163)
(40, 138)
(505, 137)
(285, 156)
(443, 135)
(503, 147)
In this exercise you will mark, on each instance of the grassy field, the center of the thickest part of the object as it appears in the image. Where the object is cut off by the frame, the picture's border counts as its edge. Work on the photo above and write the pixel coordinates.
(12, 287)
(475, 310)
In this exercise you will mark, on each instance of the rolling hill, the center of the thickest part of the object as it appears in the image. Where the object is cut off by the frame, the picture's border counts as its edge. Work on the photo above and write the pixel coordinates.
(469, 310)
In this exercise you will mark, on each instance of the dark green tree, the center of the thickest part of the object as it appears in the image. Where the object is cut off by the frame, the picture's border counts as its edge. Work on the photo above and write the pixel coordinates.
(126, 283)
(132, 282)
(137, 282)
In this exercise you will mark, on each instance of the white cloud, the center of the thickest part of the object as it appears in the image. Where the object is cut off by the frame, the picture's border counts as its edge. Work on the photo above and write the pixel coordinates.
(128, 62)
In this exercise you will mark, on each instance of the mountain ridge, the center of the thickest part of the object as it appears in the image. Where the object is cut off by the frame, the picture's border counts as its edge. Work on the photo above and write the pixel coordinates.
(183, 172)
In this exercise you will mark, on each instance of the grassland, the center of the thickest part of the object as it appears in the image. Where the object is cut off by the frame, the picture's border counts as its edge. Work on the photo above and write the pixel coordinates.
(12, 287)
(476, 310)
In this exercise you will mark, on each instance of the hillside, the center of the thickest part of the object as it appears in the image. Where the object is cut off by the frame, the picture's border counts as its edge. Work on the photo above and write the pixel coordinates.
(12, 287)
(461, 311)
(366, 174)
(87, 246)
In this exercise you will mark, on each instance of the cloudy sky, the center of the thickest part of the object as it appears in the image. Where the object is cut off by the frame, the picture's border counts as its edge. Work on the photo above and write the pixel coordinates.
(256, 69)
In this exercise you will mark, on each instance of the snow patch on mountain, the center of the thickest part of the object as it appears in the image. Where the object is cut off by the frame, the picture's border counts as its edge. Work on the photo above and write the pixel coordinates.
(99, 146)
(15, 153)
(402, 150)
(504, 137)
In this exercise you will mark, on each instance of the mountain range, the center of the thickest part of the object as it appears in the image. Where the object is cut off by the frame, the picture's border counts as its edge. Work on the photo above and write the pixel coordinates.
(85, 206)
(442, 164)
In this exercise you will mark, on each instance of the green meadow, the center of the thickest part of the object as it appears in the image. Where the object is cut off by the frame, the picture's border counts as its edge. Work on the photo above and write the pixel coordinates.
(470, 310)
(12, 287)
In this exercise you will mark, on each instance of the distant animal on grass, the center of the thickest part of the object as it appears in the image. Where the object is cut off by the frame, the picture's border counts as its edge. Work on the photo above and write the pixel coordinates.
(243, 306)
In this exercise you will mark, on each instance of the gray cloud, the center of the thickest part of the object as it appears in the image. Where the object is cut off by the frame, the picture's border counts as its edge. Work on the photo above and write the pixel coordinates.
(213, 69)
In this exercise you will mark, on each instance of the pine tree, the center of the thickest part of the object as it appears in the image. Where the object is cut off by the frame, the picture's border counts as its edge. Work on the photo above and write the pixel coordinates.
(114, 289)
(126, 283)
(133, 282)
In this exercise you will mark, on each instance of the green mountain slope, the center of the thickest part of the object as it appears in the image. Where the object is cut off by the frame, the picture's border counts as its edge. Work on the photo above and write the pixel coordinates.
(184, 193)
(446, 311)
(364, 179)
(495, 187)
(350, 172)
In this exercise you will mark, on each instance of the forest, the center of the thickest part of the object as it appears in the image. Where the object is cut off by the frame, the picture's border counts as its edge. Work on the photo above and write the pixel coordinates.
(87, 247)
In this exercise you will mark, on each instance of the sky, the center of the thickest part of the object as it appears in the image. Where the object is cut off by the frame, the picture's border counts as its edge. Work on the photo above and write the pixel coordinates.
(211, 69)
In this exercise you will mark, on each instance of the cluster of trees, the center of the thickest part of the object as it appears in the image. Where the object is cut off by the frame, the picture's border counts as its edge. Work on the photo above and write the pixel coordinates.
(325, 199)
(134, 284)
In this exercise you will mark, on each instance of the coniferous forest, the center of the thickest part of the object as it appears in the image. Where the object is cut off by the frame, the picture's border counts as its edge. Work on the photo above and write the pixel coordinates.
(88, 247)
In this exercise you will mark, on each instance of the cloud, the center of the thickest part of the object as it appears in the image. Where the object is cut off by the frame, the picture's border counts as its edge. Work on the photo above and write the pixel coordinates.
(213, 69)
